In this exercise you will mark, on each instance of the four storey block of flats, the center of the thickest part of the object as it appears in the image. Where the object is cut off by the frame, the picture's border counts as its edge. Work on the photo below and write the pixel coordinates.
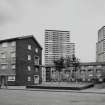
(20, 61)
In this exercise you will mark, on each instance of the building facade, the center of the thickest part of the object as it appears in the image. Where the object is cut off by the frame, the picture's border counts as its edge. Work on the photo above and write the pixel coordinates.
(87, 72)
(57, 44)
(100, 45)
(20, 60)
(92, 71)
(43, 71)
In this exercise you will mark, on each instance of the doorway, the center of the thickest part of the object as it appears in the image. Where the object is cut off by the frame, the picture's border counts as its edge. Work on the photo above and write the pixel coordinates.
(3, 81)
(36, 79)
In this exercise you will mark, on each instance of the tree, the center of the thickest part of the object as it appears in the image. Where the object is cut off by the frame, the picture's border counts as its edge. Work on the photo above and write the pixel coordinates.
(76, 66)
(66, 63)
(74, 63)
(59, 65)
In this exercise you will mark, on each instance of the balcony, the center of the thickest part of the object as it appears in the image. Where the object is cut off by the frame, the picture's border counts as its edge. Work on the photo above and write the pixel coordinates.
(13, 60)
(3, 61)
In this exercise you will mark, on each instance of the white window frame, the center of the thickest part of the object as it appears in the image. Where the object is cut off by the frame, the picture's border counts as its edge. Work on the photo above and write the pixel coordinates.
(3, 55)
(4, 66)
(36, 50)
(29, 78)
(29, 57)
(29, 47)
(5, 44)
(13, 44)
(13, 66)
(29, 68)
(11, 78)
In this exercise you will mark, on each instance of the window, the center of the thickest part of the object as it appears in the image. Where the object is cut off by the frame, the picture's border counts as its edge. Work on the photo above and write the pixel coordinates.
(13, 66)
(28, 78)
(5, 44)
(4, 61)
(36, 69)
(100, 79)
(3, 55)
(29, 47)
(29, 57)
(4, 66)
(29, 68)
(11, 78)
(13, 54)
(13, 43)
(90, 75)
(36, 50)
(36, 60)
(13, 60)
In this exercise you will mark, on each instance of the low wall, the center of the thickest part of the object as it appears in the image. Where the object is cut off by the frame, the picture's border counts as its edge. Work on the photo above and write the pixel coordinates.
(60, 88)
(99, 85)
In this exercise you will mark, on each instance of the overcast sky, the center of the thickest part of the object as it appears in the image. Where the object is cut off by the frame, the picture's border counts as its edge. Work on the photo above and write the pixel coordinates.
(82, 18)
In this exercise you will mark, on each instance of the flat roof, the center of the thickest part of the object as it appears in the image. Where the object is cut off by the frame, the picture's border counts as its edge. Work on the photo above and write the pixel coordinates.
(57, 30)
(83, 64)
(92, 63)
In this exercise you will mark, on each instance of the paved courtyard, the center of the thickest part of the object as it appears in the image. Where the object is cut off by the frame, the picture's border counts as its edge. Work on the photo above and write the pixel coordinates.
(26, 97)
(64, 84)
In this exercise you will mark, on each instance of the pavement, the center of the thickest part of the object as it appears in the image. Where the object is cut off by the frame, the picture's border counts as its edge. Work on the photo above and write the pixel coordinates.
(27, 97)
(64, 84)
(90, 90)
(94, 90)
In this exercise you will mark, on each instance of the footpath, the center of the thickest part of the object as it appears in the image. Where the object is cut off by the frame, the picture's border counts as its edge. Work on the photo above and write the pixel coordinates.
(94, 90)
(90, 90)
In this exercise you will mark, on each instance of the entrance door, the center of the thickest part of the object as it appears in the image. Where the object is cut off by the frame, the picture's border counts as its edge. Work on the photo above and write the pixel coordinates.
(3, 80)
(36, 79)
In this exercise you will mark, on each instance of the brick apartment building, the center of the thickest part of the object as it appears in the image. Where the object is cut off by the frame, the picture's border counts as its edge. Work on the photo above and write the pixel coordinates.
(20, 60)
